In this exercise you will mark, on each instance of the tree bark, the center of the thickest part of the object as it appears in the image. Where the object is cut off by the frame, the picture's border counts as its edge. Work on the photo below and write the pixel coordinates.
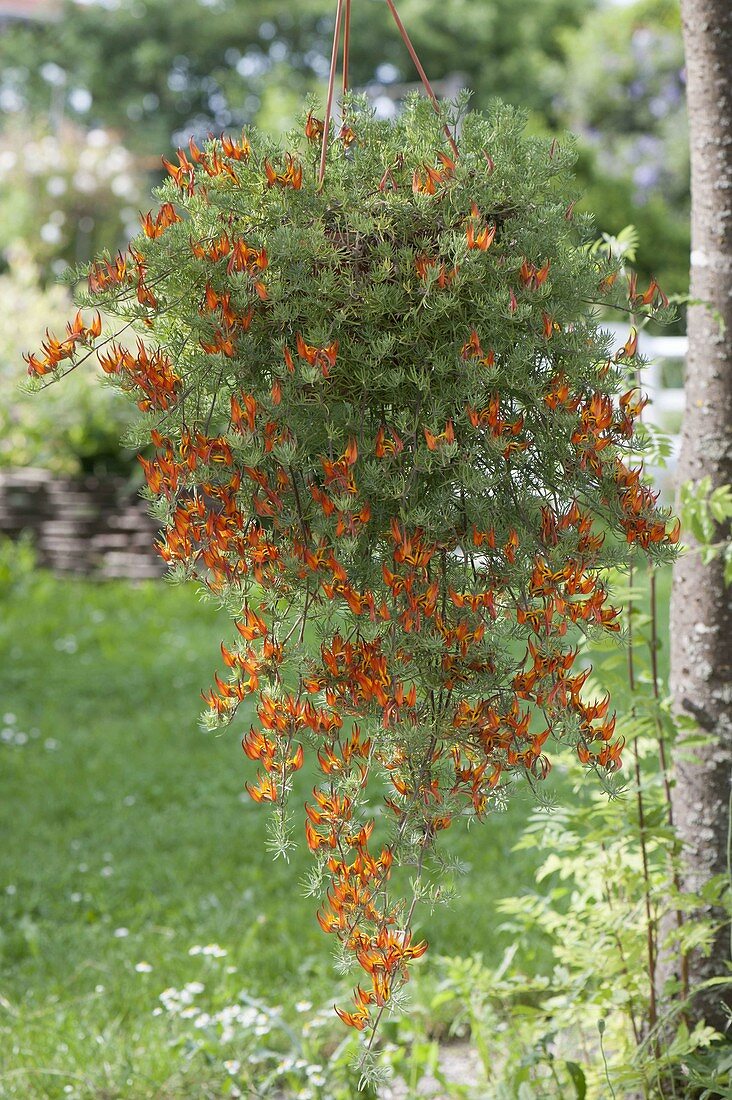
(701, 606)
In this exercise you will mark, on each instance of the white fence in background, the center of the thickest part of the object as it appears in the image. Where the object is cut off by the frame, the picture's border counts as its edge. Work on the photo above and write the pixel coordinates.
(662, 379)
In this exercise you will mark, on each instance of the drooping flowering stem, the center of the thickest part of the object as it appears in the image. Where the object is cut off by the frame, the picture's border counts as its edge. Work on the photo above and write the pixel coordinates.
(409, 440)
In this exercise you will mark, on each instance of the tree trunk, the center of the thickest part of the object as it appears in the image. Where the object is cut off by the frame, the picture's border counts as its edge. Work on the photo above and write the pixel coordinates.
(701, 611)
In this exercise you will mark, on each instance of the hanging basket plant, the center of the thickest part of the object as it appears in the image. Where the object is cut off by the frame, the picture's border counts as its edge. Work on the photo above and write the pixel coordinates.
(387, 438)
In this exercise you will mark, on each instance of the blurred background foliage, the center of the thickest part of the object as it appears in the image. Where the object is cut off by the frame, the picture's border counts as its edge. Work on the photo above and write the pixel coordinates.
(66, 192)
(155, 73)
(71, 429)
(91, 95)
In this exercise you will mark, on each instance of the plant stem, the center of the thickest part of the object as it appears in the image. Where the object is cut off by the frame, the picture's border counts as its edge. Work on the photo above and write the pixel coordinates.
(683, 959)
(650, 938)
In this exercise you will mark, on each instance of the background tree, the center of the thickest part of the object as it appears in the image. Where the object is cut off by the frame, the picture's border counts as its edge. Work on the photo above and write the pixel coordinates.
(701, 632)
(153, 71)
(622, 94)
(612, 75)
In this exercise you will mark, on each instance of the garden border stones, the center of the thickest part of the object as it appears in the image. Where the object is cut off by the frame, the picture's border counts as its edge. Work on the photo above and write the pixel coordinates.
(85, 525)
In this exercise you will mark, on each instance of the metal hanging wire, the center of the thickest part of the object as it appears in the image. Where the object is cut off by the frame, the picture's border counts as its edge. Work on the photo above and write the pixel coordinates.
(343, 19)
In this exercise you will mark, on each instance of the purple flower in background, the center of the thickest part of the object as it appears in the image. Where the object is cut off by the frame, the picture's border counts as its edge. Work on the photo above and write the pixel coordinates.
(646, 176)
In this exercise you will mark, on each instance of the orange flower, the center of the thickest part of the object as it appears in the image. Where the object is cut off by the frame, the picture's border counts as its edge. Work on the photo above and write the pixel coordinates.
(165, 216)
(107, 273)
(472, 350)
(265, 789)
(313, 127)
(434, 442)
(183, 173)
(550, 326)
(291, 177)
(240, 150)
(324, 357)
(428, 183)
(56, 351)
(384, 447)
(629, 349)
(243, 419)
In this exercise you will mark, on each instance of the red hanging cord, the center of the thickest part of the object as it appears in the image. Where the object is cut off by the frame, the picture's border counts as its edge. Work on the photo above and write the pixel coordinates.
(420, 70)
(346, 44)
(346, 48)
(331, 83)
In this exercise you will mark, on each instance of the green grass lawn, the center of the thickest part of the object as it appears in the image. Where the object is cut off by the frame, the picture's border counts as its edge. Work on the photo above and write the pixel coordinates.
(127, 841)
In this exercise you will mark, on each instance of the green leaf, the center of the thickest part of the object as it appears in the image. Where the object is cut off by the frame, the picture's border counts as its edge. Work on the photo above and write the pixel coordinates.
(720, 503)
(578, 1078)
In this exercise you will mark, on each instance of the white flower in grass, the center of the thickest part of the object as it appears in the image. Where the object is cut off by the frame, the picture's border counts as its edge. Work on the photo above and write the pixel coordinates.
(121, 933)
(202, 1020)
(194, 988)
(171, 1000)
(232, 1066)
(314, 1075)
(303, 1006)
(143, 967)
(214, 951)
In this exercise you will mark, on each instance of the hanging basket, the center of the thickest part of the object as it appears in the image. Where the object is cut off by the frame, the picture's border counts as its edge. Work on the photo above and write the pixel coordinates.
(388, 440)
